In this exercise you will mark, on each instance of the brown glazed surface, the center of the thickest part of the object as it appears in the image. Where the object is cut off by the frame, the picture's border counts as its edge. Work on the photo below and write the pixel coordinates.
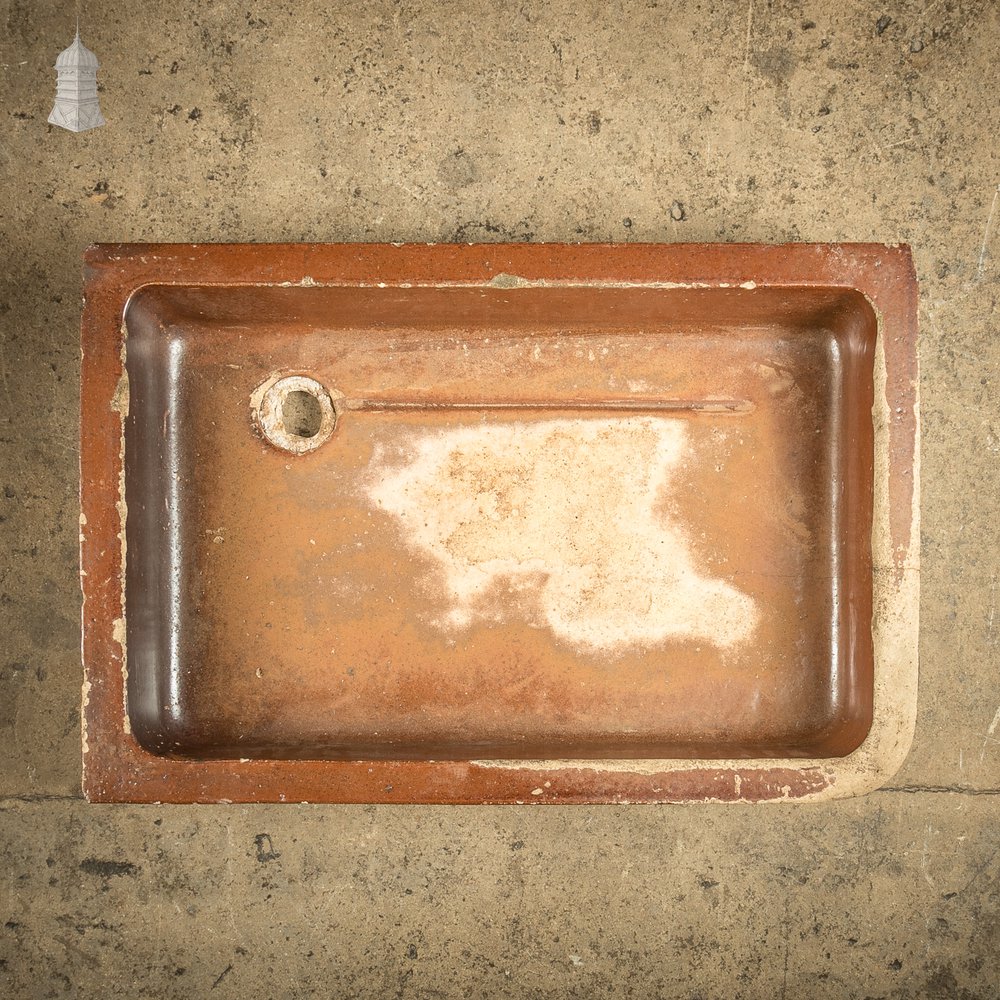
(586, 511)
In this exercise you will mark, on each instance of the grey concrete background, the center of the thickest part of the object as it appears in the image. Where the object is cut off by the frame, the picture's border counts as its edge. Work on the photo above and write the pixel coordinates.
(493, 121)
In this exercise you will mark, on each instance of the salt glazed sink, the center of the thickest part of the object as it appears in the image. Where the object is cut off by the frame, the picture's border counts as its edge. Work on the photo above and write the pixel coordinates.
(498, 524)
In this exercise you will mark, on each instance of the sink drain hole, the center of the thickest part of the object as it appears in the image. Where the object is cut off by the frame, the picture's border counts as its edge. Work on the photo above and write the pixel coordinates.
(301, 414)
(295, 413)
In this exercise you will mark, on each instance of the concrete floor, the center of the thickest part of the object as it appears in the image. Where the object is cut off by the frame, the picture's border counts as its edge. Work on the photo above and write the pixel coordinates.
(494, 121)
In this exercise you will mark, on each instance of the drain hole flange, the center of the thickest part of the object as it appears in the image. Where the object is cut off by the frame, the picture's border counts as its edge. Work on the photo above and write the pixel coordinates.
(295, 413)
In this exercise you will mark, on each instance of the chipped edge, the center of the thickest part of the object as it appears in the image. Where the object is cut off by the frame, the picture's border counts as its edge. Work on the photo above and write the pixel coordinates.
(120, 405)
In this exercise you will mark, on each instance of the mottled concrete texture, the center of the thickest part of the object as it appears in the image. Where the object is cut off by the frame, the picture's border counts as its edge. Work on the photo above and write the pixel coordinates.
(489, 121)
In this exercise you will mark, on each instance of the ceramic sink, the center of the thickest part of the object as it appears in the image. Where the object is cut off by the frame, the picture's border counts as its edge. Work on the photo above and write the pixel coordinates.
(498, 524)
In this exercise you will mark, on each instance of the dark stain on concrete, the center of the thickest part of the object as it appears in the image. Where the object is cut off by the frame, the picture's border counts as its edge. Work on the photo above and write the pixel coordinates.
(265, 848)
(102, 868)
(458, 170)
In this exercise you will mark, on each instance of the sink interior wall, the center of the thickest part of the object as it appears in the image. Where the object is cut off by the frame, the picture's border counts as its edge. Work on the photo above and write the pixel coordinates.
(235, 647)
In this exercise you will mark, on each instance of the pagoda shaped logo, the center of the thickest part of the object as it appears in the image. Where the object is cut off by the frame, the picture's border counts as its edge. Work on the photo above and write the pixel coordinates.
(76, 106)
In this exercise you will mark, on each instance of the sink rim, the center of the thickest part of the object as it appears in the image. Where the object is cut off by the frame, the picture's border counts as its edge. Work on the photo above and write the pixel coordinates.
(116, 768)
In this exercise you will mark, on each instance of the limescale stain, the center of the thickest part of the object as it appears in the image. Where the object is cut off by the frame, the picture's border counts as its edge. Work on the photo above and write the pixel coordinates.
(562, 523)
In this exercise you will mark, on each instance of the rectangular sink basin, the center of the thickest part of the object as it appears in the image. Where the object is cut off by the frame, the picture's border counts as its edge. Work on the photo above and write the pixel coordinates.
(507, 523)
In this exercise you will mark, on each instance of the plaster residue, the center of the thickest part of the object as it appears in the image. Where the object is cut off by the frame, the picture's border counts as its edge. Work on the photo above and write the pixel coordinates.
(84, 702)
(560, 522)
(120, 404)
